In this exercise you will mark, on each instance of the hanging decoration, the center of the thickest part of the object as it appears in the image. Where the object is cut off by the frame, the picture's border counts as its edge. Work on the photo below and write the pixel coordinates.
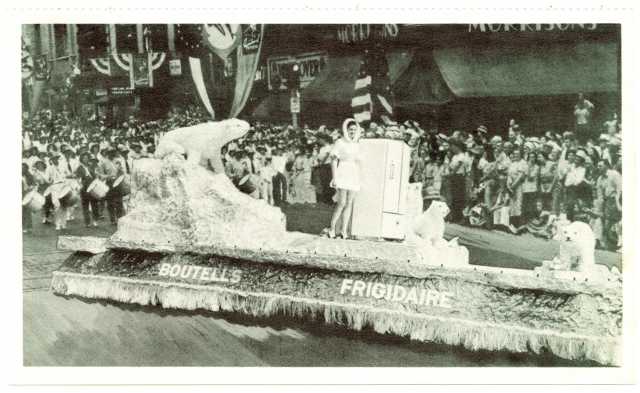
(247, 56)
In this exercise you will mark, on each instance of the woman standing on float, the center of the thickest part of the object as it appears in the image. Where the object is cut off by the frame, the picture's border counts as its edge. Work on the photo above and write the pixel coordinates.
(345, 170)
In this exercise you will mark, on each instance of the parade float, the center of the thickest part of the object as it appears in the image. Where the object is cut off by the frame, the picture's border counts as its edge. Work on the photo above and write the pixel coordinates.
(192, 241)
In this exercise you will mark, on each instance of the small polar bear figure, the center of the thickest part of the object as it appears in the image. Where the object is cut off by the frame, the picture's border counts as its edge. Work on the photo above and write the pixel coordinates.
(201, 143)
(430, 225)
(580, 235)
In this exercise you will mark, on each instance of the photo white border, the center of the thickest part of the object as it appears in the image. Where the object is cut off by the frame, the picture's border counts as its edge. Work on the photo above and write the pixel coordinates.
(330, 11)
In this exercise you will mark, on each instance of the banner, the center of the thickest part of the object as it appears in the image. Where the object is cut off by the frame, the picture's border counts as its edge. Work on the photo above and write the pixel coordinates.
(248, 57)
(195, 66)
(142, 75)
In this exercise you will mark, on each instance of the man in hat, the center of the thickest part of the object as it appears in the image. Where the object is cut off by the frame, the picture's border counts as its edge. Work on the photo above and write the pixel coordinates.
(458, 167)
(480, 135)
(122, 158)
(279, 181)
(108, 172)
(56, 175)
(86, 175)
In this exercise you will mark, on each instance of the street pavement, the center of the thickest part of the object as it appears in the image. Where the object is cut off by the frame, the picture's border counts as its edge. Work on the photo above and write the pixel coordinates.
(68, 331)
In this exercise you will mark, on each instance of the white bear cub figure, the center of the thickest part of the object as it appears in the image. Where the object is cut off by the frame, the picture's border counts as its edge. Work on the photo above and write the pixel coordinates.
(580, 235)
(430, 225)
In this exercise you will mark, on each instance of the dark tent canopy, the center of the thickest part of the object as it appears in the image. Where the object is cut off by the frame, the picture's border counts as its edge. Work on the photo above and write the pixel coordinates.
(421, 83)
(335, 83)
(530, 70)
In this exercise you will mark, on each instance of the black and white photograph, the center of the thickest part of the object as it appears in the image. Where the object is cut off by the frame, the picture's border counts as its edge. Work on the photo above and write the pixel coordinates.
(323, 195)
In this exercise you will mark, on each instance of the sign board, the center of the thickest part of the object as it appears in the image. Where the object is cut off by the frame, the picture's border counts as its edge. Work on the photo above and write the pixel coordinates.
(175, 67)
(295, 104)
(310, 66)
(353, 33)
(121, 91)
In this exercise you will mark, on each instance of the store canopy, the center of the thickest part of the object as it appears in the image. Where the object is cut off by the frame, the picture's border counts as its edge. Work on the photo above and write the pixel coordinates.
(525, 70)
(335, 84)
(421, 83)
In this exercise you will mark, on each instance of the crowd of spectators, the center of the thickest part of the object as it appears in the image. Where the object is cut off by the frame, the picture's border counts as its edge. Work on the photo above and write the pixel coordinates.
(498, 179)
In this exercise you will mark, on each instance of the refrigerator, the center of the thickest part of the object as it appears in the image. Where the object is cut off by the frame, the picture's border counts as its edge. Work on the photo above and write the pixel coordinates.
(380, 207)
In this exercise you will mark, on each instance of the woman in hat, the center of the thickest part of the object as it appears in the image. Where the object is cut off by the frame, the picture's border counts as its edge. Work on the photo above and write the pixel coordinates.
(530, 186)
(489, 179)
(345, 169)
(548, 168)
(515, 178)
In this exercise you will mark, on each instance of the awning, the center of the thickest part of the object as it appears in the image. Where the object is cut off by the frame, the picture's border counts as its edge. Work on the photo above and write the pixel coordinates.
(525, 70)
(335, 83)
(421, 83)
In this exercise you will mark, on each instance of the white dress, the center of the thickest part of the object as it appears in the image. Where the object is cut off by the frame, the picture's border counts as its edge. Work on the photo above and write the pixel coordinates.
(347, 176)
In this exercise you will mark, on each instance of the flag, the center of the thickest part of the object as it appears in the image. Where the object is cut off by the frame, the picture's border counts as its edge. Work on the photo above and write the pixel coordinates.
(189, 41)
(372, 98)
(222, 39)
(248, 55)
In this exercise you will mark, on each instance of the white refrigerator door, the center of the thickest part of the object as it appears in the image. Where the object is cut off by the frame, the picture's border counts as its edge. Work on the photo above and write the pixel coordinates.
(367, 207)
(393, 177)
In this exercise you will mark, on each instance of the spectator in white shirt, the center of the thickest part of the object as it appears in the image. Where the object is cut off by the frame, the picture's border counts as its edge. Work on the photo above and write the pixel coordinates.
(583, 112)
(279, 161)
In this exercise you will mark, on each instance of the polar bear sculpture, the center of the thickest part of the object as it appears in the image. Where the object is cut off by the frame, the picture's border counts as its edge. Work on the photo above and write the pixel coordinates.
(202, 143)
(581, 236)
(430, 225)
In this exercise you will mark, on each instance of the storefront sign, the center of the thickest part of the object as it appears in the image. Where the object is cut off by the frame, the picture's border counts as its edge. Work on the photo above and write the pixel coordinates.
(310, 65)
(499, 28)
(175, 67)
(121, 91)
(365, 32)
